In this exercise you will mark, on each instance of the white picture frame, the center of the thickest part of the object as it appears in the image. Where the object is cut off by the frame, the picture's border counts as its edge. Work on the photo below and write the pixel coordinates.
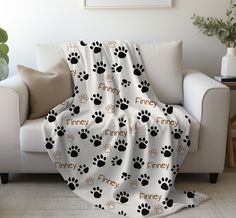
(127, 3)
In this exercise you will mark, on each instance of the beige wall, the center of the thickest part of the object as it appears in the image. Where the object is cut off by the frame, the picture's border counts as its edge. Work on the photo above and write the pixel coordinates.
(29, 22)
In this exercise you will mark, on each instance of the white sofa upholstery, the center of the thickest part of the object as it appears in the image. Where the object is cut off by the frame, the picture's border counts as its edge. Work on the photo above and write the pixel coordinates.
(205, 100)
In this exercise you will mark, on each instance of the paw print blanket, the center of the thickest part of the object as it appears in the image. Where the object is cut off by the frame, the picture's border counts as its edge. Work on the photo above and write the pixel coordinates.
(113, 141)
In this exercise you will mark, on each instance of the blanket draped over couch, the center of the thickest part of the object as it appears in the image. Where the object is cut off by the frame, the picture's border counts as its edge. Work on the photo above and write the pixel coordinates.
(113, 141)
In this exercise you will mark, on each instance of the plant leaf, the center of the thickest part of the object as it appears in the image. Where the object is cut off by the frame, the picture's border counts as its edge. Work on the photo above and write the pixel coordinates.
(4, 56)
(4, 70)
(3, 35)
(4, 48)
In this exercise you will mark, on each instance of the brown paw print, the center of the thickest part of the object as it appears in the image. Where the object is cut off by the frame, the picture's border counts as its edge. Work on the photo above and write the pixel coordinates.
(109, 78)
(135, 129)
(111, 44)
(70, 137)
(83, 98)
(159, 209)
(153, 153)
(57, 155)
(111, 205)
(90, 181)
(107, 148)
(110, 108)
(181, 149)
(134, 184)
(66, 103)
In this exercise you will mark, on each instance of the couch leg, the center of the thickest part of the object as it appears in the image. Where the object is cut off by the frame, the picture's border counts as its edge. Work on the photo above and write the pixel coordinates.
(213, 177)
(4, 178)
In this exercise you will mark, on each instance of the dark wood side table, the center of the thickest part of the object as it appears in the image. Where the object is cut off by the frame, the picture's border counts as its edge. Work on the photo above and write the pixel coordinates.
(232, 120)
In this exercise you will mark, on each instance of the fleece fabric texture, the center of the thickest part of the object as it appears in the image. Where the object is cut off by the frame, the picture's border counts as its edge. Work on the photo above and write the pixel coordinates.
(114, 143)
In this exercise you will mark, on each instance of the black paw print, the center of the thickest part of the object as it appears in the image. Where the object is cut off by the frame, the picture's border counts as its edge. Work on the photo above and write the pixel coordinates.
(97, 192)
(121, 145)
(168, 203)
(99, 206)
(153, 131)
(98, 116)
(191, 205)
(144, 179)
(96, 47)
(100, 67)
(125, 83)
(168, 109)
(122, 122)
(72, 183)
(60, 131)
(51, 116)
(121, 52)
(167, 151)
(137, 49)
(142, 143)
(122, 213)
(189, 121)
(82, 43)
(165, 183)
(74, 58)
(83, 133)
(144, 86)
(122, 197)
(96, 140)
(175, 169)
(83, 169)
(177, 133)
(125, 176)
(116, 68)
(144, 116)
(116, 161)
(49, 143)
(73, 151)
(97, 99)
(99, 160)
(83, 76)
(190, 194)
(138, 69)
(144, 209)
(123, 104)
(187, 141)
(138, 162)
(74, 109)
(76, 91)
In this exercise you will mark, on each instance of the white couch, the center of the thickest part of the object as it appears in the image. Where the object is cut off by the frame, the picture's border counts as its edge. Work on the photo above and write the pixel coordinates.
(206, 101)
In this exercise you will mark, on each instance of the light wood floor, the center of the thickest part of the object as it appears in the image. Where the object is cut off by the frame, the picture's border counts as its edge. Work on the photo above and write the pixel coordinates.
(47, 196)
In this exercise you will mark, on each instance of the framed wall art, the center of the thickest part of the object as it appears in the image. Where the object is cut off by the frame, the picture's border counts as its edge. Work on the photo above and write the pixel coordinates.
(127, 3)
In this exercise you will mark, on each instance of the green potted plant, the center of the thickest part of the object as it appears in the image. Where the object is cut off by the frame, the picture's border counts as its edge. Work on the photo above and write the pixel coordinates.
(4, 60)
(225, 31)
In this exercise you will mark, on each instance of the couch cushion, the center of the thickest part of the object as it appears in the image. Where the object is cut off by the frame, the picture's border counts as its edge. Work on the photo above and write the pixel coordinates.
(31, 138)
(163, 64)
(47, 56)
(47, 90)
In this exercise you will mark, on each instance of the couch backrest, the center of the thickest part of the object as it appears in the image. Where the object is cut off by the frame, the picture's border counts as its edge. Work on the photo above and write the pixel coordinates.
(162, 62)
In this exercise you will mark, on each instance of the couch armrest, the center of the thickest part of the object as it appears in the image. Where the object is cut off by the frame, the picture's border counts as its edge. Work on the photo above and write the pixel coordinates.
(14, 97)
(208, 101)
(14, 87)
(196, 87)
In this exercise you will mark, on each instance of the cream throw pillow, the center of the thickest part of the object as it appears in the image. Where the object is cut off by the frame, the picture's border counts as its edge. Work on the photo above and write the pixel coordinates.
(47, 89)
